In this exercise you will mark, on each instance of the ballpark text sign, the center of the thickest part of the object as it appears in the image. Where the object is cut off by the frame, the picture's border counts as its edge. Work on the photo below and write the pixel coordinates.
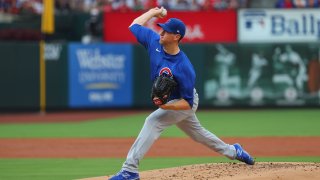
(261, 25)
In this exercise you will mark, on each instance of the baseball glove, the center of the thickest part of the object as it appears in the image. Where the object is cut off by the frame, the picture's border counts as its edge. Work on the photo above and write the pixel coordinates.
(162, 88)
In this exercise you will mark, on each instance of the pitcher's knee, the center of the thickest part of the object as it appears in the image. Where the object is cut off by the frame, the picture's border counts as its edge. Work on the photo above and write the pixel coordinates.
(151, 121)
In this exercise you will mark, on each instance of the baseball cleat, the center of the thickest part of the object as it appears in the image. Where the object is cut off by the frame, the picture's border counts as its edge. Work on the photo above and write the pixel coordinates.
(125, 175)
(243, 155)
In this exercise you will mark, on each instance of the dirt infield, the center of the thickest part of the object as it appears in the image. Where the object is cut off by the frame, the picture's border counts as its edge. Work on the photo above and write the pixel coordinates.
(164, 147)
(240, 171)
(234, 171)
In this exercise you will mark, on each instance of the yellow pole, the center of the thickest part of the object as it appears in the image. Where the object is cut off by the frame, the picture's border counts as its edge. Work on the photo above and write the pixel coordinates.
(42, 78)
(47, 27)
(47, 21)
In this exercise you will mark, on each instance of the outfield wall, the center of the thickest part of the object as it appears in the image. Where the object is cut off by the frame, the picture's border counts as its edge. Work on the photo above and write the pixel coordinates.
(117, 75)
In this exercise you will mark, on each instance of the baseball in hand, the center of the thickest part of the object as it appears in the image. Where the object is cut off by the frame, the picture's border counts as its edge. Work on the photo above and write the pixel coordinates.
(163, 12)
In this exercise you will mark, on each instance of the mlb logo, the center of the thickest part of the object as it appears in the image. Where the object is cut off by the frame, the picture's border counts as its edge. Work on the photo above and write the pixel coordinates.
(254, 19)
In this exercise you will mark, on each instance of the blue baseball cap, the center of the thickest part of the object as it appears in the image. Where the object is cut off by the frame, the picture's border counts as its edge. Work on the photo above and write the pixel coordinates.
(174, 25)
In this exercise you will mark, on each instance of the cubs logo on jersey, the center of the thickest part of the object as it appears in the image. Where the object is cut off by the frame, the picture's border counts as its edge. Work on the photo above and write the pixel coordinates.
(165, 72)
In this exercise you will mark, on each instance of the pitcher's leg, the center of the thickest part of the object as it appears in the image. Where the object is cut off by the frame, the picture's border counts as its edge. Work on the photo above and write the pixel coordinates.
(194, 129)
(155, 123)
(148, 134)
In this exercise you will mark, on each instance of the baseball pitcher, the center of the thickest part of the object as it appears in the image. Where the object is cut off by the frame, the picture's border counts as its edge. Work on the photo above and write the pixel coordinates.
(173, 92)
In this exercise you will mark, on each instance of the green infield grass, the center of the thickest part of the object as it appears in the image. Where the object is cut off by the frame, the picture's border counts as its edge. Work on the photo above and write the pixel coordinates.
(244, 123)
(68, 169)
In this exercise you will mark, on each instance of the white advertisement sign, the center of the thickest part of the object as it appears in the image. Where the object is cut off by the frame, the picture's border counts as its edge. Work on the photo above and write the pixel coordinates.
(264, 25)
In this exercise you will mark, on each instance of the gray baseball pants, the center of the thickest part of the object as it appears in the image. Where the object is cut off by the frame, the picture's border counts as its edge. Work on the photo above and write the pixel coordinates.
(187, 121)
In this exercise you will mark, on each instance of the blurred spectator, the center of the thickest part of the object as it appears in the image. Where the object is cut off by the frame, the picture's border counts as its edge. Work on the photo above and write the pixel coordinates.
(62, 6)
(150, 4)
(243, 3)
(76, 5)
(4, 6)
(194, 5)
(306, 3)
(120, 5)
(66, 6)
(137, 5)
(105, 6)
(233, 4)
(14, 7)
(206, 5)
(220, 4)
(314, 3)
(165, 3)
(37, 6)
(300, 3)
(261, 4)
(284, 4)
(181, 5)
(31, 7)
(88, 5)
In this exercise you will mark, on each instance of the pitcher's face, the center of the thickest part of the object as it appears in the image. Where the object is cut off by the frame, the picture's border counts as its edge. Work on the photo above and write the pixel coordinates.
(167, 37)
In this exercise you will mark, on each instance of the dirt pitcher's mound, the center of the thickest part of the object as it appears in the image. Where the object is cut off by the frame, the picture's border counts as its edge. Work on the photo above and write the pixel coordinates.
(234, 171)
